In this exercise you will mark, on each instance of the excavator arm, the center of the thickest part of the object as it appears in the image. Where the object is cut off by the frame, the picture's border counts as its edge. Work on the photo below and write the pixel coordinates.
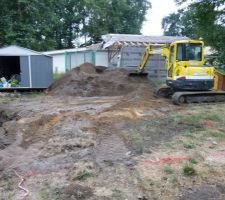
(163, 51)
(148, 52)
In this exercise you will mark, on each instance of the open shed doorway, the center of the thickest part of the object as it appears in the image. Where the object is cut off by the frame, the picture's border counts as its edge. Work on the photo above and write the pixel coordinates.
(10, 67)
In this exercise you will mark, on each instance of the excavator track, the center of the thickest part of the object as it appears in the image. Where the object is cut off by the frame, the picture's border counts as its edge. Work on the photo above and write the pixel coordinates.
(163, 91)
(179, 98)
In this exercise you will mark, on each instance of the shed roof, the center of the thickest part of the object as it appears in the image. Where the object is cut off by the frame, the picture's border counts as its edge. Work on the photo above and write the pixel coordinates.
(15, 50)
(136, 40)
(220, 71)
(62, 51)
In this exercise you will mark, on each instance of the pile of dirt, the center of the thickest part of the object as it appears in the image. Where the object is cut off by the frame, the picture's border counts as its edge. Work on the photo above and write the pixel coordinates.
(88, 80)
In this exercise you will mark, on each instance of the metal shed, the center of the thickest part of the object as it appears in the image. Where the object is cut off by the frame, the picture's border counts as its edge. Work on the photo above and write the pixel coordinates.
(32, 69)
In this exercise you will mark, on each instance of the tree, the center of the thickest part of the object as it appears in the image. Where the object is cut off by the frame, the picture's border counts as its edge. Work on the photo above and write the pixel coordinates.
(205, 19)
(172, 25)
(69, 17)
(53, 24)
(179, 24)
(27, 23)
(115, 16)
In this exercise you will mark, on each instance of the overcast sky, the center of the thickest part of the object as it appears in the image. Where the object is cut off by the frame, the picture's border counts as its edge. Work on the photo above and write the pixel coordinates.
(160, 9)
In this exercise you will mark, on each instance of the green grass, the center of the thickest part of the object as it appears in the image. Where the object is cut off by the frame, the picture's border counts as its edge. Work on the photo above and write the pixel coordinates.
(168, 169)
(171, 145)
(6, 177)
(188, 170)
(138, 143)
(83, 175)
(197, 119)
(188, 134)
(116, 194)
(193, 161)
(173, 179)
(189, 146)
(35, 94)
(57, 76)
(211, 168)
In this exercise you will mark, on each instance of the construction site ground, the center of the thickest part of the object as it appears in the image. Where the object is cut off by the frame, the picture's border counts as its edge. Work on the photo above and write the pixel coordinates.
(104, 136)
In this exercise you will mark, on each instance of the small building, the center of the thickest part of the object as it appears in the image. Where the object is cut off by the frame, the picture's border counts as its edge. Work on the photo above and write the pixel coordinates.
(66, 59)
(32, 69)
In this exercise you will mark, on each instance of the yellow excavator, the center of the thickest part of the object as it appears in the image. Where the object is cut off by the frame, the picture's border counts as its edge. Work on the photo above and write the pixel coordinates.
(189, 79)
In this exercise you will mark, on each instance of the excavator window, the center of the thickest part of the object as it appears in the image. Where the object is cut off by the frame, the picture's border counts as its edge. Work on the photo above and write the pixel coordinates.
(171, 59)
(171, 54)
(180, 52)
(193, 52)
(189, 52)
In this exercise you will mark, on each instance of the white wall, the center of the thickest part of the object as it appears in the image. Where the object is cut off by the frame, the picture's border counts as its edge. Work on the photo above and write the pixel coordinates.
(58, 63)
(76, 59)
(101, 58)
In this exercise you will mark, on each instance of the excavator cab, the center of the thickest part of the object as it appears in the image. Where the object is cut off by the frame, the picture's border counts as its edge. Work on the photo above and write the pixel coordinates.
(186, 69)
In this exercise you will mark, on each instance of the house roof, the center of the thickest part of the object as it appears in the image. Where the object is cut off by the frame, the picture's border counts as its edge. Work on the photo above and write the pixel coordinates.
(119, 40)
(15, 50)
(62, 51)
(136, 40)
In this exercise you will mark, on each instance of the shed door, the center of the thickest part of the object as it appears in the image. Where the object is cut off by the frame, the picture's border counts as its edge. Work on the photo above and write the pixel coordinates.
(41, 71)
(24, 68)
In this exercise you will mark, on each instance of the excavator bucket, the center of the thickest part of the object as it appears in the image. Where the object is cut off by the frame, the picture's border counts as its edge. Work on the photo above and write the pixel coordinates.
(138, 74)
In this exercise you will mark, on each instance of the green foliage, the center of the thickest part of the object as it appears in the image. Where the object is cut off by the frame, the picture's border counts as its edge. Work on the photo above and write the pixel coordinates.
(200, 19)
(188, 170)
(189, 146)
(197, 119)
(115, 16)
(84, 175)
(57, 76)
(174, 179)
(193, 161)
(27, 23)
(191, 119)
(221, 71)
(52, 24)
(14, 83)
(188, 134)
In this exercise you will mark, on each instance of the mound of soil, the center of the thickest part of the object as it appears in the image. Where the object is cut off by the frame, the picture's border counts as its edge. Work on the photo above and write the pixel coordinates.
(88, 80)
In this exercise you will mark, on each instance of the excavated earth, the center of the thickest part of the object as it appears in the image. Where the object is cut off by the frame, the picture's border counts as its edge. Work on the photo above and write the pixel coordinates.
(99, 134)
(88, 80)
